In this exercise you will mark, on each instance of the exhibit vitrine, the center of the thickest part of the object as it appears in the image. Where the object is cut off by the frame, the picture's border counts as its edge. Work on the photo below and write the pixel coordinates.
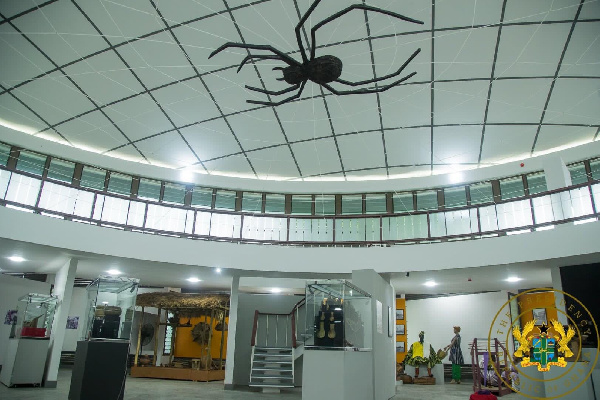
(338, 316)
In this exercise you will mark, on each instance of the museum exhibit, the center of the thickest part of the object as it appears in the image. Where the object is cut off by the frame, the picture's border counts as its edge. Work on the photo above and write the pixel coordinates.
(299, 199)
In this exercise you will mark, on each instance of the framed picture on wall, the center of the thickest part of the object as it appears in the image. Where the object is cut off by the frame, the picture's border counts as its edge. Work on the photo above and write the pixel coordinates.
(400, 314)
(390, 322)
(400, 329)
(539, 316)
(400, 347)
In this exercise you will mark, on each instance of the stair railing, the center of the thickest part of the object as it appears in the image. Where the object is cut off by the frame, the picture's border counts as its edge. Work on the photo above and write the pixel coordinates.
(268, 328)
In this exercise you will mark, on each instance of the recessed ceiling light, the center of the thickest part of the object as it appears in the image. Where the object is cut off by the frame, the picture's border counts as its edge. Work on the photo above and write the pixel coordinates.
(194, 280)
(513, 279)
(16, 258)
(430, 283)
(114, 272)
(275, 290)
(186, 175)
(218, 270)
(456, 177)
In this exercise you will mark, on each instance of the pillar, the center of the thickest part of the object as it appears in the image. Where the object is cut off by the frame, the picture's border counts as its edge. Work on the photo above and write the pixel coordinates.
(63, 289)
(233, 311)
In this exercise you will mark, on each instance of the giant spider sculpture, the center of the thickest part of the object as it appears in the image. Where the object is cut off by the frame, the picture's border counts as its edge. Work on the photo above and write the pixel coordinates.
(322, 70)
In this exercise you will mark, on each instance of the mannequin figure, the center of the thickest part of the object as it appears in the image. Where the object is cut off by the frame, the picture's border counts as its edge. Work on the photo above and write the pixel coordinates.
(421, 353)
(456, 356)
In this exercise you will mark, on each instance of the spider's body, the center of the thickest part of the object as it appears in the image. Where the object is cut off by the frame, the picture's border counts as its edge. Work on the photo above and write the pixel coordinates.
(322, 70)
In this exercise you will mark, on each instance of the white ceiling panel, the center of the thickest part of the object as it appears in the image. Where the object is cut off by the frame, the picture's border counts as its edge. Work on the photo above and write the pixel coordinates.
(465, 54)
(456, 144)
(406, 172)
(211, 139)
(233, 165)
(590, 10)
(104, 78)
(139, 117)
(17, 113)
(555, 136)
(228, 89)
(20, 59)
(256, 129)
(583, 54)
(518, 100)
(317, 157)
(305, 119)
(540, 10)
(186, 102)
(11, 8)
(53, 135)
(505, 142)
(575, 101)
(382, 24)
(274, 163)
(460, 102)
(94, 131)
(127, 152)
(390, 53)
(467, 13)
(61, 42)
(408, 146)
(531, 50)
(169, 149)
(176, 12)
(408, 105)
(54, 98)
(364, 150)
(353, 113)
(156, 60)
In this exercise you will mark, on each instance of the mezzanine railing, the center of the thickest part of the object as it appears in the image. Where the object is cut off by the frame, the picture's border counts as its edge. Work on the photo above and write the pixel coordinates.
(28, 192)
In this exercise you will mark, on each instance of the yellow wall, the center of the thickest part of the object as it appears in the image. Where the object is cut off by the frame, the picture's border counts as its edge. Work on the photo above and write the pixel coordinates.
(527, 302)
(401, 305)
(186, 347)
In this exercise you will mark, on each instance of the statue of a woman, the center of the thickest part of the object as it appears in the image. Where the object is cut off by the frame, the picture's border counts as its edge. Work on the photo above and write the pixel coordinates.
(421, 353)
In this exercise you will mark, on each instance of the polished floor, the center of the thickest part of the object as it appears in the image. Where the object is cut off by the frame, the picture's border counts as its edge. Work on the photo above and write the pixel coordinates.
(150, 389)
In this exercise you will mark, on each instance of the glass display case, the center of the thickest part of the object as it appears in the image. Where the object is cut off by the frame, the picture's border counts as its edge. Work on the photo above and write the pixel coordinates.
(338, 316)
(35, 314)
(111, 306)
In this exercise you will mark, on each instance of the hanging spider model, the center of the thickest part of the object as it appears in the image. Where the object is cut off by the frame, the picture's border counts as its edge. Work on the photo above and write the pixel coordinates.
(322, 70)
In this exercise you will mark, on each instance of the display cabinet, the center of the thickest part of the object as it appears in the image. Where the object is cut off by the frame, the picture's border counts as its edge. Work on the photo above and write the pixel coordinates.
(338, 316)
(111, 306)
(25, 357)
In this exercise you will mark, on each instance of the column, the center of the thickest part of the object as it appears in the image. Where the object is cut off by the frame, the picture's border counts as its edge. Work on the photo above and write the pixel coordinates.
(63, 288)
(233, 311)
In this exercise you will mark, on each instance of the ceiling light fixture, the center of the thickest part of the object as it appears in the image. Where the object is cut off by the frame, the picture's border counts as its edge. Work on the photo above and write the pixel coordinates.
(186, 175)
(16, 258)
(430, 283)
(194, 280)
(114, 271)
(218, 270)
(275, 290)
(513, 279)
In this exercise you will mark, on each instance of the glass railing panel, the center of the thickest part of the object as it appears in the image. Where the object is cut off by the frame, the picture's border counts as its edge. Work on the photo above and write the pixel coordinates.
(459, 222)
(23, 189)
(322, 230)
(595, 191)
(542, 209)
(405, 227)
(83, 203)
(189, 222)
(115, 210)
(514, 214)
(225, 225)
(301, 230)
(4, 179)
(264, 228)
(487, 218)
(474, 220)
(437, 222)
(202, 226)
(97, 214)
(349, 230)
(165, 218)
(579, 204)
(135, 216)
(58, 198)
(372, 230)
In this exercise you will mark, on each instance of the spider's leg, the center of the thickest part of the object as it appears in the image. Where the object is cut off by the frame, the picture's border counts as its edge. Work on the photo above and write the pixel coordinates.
(256, 57)
(367, 90)
(273, 92)
(284, 57)
(299, 26)
(345, 82)
(277, 103)
(347, 10)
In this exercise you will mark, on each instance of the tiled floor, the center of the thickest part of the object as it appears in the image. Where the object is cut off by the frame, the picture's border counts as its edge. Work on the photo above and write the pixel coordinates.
(150, 389)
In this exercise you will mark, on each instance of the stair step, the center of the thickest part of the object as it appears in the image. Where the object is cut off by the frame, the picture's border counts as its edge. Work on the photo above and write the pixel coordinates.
(272, 348)
(279, 378)
(272, 369)
(273, 355)
(272, 362)
(268, 384)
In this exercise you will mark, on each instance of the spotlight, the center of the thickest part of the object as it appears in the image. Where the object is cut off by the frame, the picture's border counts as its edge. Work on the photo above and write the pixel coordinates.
(218, 270)
(193, 280)
(16, 258)
(114, 272)
(430, 283)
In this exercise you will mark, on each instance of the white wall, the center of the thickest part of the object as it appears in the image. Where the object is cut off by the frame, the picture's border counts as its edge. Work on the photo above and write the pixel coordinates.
(11, 288)
(550, 244)
(473, 313)
(76, 309)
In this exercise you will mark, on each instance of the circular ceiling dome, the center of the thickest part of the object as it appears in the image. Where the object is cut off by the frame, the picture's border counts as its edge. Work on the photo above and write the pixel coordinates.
(493, 82)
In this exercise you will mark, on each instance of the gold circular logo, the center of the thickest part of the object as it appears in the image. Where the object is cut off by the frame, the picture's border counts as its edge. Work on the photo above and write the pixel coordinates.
(535, 353)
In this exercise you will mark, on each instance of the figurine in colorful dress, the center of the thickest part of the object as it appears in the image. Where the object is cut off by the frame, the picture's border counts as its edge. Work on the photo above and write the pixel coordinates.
(421, 353)
(456, 356)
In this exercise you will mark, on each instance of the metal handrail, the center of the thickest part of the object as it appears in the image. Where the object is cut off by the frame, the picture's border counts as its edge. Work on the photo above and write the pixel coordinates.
(292, 315)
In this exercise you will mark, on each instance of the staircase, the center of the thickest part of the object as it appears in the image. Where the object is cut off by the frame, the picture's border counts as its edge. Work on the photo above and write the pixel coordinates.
(275, 348)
